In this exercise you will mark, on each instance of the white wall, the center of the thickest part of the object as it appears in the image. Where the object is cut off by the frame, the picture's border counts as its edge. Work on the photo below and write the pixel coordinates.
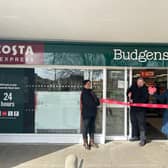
(85, 20)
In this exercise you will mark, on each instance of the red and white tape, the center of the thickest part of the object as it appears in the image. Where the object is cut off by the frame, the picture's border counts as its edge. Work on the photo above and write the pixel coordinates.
(146, 105)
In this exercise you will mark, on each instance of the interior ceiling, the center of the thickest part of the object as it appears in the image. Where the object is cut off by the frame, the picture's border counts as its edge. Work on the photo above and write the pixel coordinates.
(85, 20)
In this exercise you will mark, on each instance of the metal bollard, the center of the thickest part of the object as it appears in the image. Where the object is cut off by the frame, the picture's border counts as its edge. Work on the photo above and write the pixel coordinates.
(71, 161)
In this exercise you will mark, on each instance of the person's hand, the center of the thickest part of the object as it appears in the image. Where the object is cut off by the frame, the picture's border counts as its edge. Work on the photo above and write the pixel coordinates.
(130, 100)
(129, 95)
(151, 90)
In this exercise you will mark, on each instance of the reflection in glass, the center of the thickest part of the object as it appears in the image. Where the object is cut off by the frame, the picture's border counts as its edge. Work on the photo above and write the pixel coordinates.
(97, 84)
(115, 90)
(114, 121)
(58, 80)
(115, 85)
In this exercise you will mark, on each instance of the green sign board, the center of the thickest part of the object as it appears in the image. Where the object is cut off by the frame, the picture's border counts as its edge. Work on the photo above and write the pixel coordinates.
(92, 54)
(84, 54)
(11, 100)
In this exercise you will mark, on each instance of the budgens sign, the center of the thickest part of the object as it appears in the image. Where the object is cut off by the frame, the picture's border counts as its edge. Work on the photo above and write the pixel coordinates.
(140, 56)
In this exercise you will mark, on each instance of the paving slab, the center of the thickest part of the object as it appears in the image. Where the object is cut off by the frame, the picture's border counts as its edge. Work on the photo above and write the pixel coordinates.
(116, 154)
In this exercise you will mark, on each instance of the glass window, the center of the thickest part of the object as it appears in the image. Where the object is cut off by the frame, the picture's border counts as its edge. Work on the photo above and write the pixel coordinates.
(58, 99)
(115, 84)
(114, 121)
(97, 82)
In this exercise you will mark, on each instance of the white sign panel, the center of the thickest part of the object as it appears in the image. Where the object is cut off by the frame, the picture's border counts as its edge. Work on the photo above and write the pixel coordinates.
(58, 110)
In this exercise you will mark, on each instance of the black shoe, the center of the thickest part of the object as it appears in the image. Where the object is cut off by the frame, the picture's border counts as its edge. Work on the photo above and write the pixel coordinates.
(142, 143)
(86, 146)
(134, 139)
(93, 145)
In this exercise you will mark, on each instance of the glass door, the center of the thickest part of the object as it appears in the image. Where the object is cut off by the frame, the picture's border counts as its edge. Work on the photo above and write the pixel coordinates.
(116, 115)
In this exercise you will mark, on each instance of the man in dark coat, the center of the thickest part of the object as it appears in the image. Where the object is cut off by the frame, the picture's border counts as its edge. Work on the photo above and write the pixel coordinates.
(138, 93)
(89, 103)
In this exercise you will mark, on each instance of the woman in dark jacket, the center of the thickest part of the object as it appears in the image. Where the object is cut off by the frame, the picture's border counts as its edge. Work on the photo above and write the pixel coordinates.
(89, 103)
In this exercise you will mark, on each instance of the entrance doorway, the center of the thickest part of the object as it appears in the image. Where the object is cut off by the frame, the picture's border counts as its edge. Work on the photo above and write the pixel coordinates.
(116, 115)
(154, 117)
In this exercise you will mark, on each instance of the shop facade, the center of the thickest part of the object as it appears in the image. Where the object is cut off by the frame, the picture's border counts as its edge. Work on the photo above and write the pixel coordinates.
(40, 85)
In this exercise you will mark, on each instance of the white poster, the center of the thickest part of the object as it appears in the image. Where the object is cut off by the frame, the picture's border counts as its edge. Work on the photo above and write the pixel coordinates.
(120, 84)
(58, 110)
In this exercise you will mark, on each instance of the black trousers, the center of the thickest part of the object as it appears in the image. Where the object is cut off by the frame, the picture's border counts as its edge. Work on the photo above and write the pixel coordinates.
(88, 127)
(138, 123)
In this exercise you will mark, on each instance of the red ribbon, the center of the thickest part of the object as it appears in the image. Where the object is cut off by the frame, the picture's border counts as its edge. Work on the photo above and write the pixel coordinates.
(146, 105)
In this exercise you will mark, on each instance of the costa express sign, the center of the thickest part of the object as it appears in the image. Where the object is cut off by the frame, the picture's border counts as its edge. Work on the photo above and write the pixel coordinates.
(21, 53)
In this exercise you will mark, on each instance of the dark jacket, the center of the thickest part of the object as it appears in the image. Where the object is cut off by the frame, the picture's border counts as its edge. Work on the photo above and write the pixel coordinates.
(163, 98)
(89, 103)
(139, 95)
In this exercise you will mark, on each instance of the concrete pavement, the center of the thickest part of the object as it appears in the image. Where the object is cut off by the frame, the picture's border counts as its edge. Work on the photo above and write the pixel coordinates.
(116, 154)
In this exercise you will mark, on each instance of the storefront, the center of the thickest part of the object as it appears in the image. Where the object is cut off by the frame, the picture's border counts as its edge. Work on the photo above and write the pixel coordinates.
(40, 84)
